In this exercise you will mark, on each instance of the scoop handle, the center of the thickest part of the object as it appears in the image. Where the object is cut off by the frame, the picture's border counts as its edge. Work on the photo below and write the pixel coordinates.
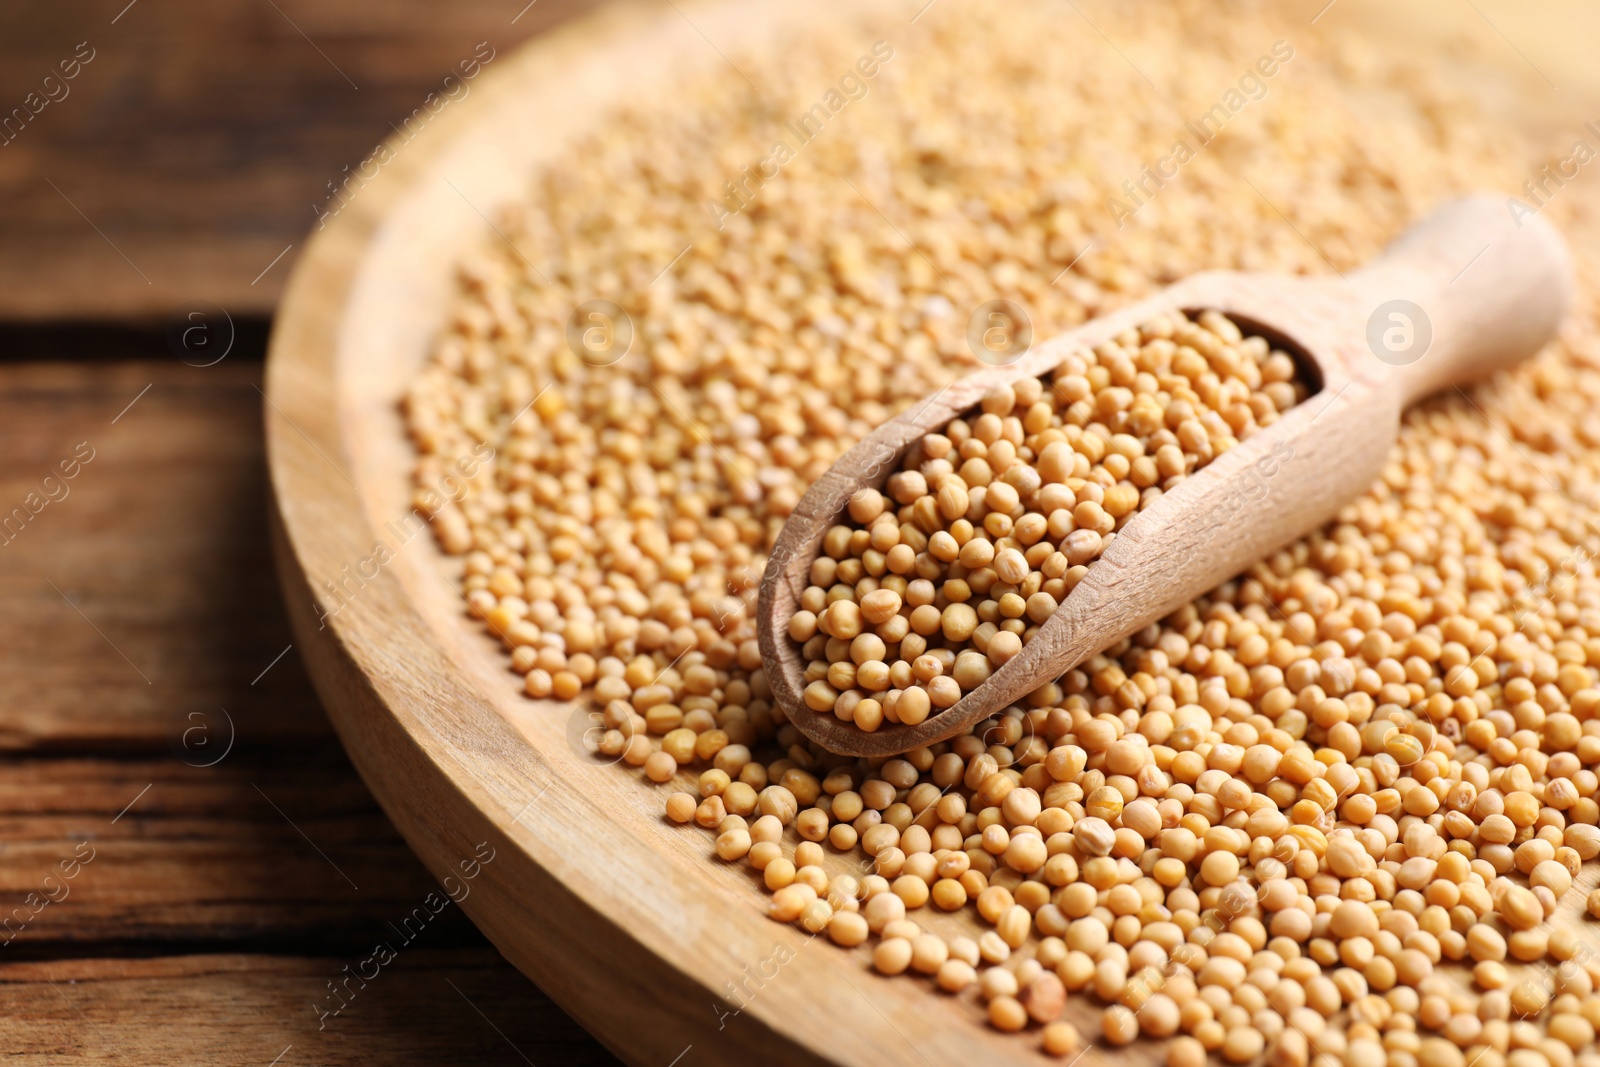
(1475, 287)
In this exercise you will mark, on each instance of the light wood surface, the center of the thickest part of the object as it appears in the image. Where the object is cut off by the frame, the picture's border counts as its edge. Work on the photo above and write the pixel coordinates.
(1488, 293)
(629, 923)
(207, 909)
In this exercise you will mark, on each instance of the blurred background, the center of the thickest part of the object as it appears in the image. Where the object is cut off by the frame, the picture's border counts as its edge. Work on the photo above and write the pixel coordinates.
(189, 865)
(199, 135)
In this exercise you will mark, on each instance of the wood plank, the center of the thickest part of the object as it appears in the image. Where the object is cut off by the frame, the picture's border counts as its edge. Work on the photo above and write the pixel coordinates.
(182, 843)
(144, 594)
(426, 1007)
(111, 342)
(158, 540)
(287, 854)
(199, 136)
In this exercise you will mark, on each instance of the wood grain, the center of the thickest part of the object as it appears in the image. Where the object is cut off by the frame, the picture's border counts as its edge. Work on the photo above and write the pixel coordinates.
(241, 854)
(146, 592)
(427, 1007)
(200, 135)
(162, 540)
(1480, 291)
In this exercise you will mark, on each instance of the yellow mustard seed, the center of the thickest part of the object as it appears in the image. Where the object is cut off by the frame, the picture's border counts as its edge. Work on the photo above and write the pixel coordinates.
(1299, 805)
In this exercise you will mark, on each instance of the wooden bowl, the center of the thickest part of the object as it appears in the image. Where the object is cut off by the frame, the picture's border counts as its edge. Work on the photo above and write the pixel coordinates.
(567, 864)
(629, 922)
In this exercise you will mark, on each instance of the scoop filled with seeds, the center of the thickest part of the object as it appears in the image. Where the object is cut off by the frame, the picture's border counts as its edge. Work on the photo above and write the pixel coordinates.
(1042, 511)
(943, 576)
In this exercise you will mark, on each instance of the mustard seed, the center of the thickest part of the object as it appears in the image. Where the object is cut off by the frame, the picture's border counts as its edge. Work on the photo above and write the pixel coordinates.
(733, 844)
(928, 953)
(1365, 761)
(892, 956)
(955, 975)
(1186, 1052)
(847, 929)
(1006, 1014)
(1118, 1025)
(1060, 1039)
(790, 902)
(1073, 495)
(1044, 998)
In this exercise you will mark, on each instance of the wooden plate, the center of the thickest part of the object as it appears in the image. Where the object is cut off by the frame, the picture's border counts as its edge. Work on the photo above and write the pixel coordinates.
(629, 922)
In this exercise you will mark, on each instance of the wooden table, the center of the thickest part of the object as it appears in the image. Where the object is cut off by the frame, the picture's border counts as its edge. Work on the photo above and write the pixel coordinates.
(213, 866)
(188, 859)
(188, 863)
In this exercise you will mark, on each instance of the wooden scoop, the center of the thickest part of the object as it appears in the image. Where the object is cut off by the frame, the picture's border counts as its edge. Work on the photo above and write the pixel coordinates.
(1466, 292)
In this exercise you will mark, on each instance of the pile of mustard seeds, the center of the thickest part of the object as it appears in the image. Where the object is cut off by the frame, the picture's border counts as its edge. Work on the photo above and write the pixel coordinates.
(939, 579)
(1324, 814)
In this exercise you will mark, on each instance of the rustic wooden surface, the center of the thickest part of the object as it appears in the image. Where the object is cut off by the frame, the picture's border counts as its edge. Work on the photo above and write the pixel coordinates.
(137, 608)
(1277, 486)
(222, 892)
(431, 1006)
(201, 133)
(207, 925)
